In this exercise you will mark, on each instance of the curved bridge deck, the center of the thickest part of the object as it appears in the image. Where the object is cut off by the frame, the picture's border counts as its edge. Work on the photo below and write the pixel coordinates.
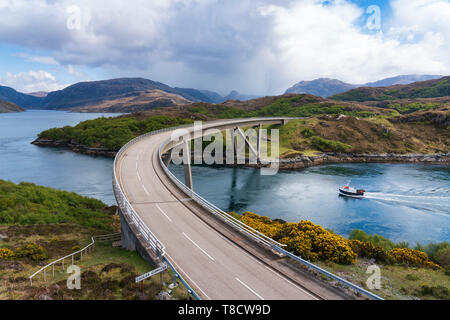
(216, 261)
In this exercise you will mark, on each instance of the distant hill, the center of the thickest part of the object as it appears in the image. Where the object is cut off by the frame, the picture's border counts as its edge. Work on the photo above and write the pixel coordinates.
(39, 94)
(21, 99)
(94, 92)
(405, 79)
(325, 87)
(144, 101)
(114, 94)
(7, 107)
(422, 89)
(234, 95)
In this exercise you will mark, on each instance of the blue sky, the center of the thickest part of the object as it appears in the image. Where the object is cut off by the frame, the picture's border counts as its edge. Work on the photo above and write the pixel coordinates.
(253, 46)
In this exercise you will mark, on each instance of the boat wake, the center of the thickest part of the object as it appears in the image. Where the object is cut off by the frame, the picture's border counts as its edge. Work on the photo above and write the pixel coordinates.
(438, 204)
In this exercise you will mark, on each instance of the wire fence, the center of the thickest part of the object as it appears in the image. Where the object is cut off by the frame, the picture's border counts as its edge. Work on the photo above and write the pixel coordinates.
(71, 257)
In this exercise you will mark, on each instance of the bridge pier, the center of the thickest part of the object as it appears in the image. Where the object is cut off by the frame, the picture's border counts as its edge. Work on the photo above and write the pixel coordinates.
(187, 165)
(131, 241)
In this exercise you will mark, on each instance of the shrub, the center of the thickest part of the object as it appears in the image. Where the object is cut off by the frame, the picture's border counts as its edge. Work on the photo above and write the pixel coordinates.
(305, 239)
(411, 277)
(6, 254)
(435, 291)
(447, 271)
(412, 257)
(33, 251)
(308, 132)
(313, 242)
(262, 224)
(376, 240)
(368, 250)
(329, 145)
(431, 249)
(443, 257)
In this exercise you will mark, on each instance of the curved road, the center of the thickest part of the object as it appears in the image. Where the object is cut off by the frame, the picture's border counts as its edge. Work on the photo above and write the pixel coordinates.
(216, 267)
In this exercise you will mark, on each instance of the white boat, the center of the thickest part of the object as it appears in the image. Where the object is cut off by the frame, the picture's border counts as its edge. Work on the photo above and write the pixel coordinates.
(351, 192)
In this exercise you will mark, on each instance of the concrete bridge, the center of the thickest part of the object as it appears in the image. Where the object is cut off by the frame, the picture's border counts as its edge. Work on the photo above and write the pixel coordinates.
(218, 256)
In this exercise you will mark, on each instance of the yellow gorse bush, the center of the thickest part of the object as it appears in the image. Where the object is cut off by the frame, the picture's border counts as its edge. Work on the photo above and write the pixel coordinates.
(6, 254)
(412, 257)
(33, 251)
(305, 239)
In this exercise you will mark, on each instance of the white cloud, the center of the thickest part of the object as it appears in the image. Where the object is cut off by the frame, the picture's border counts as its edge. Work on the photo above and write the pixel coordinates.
(31, 81)
(254, 46)
(312, 40)
(39, 59)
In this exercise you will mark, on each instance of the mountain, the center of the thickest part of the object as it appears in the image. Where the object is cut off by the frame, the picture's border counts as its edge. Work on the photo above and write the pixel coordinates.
(94, 92)
(21, 99)
(195, 95)
(422, 89)
(234, 95)
(7, 107)
(114, 94)
(147, 100)
(323, 87)
(39, 94)
(404, 79)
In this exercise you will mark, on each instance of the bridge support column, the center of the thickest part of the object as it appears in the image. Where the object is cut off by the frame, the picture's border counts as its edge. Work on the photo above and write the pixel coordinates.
(166, 160)
(247, 142)
(187, 165)
(131, 242)
(258, 141)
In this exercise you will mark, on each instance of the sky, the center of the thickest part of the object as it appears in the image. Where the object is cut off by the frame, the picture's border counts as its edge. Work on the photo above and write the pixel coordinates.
(258, 47)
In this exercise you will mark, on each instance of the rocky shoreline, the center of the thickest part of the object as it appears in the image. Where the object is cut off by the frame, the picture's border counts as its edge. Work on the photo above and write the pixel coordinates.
(298, 162)
(75, 147)
(328, 158)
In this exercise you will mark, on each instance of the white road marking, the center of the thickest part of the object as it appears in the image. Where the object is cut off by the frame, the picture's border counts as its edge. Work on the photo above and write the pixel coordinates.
(163, 213)
(185, 274)
(290, 282)
(145, 189)
(184, 234)
(250, 289)
(138, 175)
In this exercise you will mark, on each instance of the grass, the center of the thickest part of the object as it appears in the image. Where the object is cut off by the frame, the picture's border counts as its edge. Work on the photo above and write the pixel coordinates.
(110, 133)
(107, 273)
(28, 204)
(397, 282)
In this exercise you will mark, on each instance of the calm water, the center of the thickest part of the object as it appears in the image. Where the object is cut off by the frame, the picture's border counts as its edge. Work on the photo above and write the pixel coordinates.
(57, 168)
(404, 202)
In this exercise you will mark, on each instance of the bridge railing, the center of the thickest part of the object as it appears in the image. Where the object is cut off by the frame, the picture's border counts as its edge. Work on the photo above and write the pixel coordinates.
(229, 219)
(237, 224)
(127, 209)
(256, 235)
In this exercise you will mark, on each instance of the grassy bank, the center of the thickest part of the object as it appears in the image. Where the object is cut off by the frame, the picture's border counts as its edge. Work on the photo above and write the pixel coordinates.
(27, 204)
(419, 273)
(110, 133)
(107, 273)
(39, 225)
(356, 135)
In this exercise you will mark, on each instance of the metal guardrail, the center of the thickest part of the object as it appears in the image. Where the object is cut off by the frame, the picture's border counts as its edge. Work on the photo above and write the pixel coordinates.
(328, 274)
(87, 249)
(254, 234)
(232, 221)
(188, 287)
(123, 203)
